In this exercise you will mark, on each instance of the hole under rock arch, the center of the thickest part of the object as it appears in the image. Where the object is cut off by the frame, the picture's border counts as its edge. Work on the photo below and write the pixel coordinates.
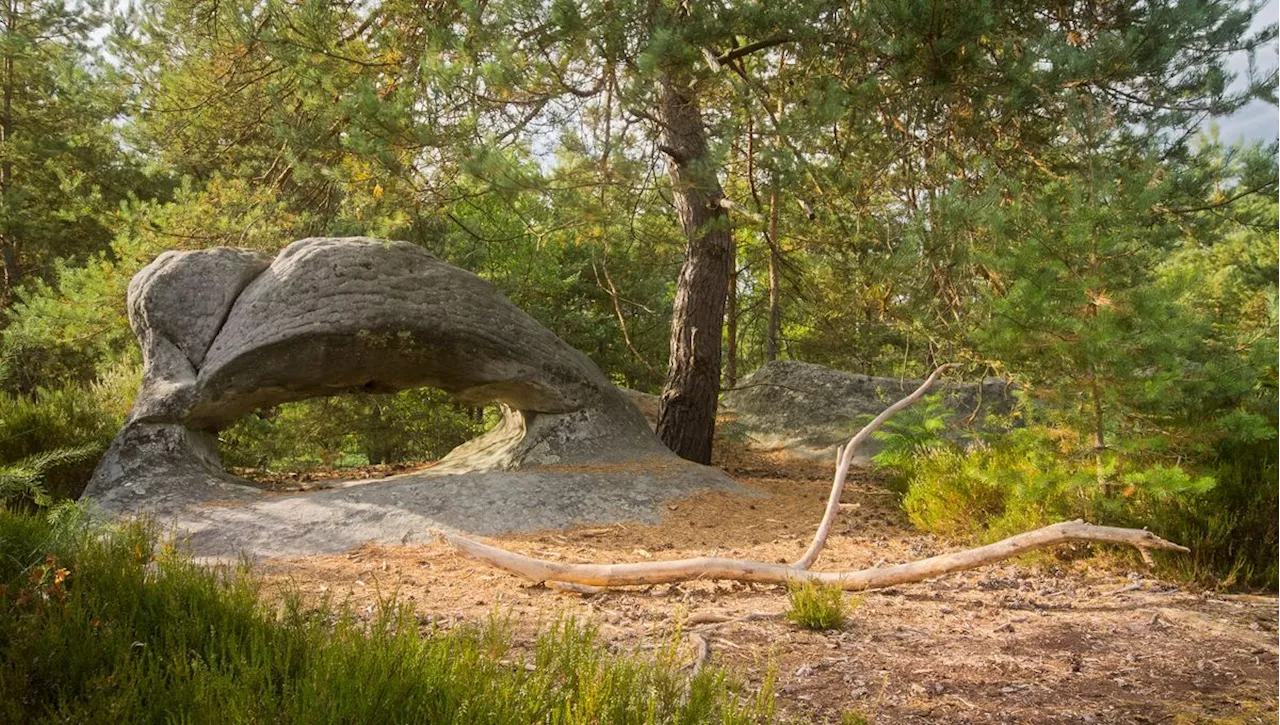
(356, 435)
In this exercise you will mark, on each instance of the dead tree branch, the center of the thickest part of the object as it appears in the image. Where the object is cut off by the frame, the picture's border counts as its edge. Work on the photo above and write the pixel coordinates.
(745, 570)
(844, 458)
(587, 577)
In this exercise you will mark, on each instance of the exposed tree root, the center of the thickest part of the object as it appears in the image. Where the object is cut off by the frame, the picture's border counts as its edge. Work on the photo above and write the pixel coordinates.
(745, 570)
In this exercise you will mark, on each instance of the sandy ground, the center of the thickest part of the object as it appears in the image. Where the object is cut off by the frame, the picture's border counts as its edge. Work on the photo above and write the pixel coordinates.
(1044, 640)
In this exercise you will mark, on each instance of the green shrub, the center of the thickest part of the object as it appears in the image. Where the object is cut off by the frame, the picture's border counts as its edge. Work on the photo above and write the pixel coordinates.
(24, 482)
(911, 435)
(104, 625)
(953, 493)
(83, 418)
(1224, 509)
(1012, 483)
(65, 333)
(816, 606)
(422, 424)
(1231, 527)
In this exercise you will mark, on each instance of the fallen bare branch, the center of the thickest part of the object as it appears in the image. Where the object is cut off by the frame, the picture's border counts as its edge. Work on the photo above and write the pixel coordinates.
(743, 570)
(845, 460)
(583, 578)
(571, 588)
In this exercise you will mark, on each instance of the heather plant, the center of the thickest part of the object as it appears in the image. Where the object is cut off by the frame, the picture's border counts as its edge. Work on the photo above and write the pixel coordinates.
(111, 622)
(817, 606)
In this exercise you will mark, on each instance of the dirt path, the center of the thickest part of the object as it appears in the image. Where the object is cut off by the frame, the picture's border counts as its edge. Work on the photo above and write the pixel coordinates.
(1042, 641)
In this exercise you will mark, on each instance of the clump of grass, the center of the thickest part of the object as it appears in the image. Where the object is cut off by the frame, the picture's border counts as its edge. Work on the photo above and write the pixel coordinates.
(106, 624)
(816, 606)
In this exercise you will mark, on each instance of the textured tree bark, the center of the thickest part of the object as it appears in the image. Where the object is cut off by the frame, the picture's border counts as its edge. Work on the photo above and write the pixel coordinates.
(8, 244)
(731, 323)
(771, 345)
(775, 294)
(687, 417)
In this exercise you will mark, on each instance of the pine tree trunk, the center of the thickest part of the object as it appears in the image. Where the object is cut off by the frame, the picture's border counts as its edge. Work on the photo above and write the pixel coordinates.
(8, 244)
(775, 294)
(731, 322)
(687, 417)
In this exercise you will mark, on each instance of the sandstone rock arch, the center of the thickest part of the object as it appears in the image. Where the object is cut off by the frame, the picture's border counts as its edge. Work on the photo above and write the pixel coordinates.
(226, 331)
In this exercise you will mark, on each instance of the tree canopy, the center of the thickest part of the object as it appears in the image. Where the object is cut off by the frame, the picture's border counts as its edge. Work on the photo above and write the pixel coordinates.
(685, 191)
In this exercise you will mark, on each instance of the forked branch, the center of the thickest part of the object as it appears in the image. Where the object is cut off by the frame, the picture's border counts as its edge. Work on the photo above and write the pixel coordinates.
(578, 577)
(745, 570)
(844, 459)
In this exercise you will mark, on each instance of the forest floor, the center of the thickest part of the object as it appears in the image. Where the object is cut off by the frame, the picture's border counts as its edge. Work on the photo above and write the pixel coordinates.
(1042, 640)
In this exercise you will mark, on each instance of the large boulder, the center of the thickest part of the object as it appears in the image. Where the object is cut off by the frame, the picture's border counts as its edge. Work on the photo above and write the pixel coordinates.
(225, 332)
(808, 410)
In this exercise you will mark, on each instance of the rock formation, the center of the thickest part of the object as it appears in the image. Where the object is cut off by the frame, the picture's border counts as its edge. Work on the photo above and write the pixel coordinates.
(227, 331)
(807, 409)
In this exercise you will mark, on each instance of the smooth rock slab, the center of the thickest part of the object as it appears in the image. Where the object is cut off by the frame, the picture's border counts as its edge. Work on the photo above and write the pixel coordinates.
(404, 509)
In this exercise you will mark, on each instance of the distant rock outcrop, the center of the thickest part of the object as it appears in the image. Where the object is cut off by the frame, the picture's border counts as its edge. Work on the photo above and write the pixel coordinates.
(227, 331)
(809, 409)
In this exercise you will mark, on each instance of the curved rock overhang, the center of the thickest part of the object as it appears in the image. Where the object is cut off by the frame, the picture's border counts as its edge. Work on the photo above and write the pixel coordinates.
(227, 331)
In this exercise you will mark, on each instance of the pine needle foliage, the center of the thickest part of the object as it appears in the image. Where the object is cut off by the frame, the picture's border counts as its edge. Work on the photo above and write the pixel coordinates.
(24, 481)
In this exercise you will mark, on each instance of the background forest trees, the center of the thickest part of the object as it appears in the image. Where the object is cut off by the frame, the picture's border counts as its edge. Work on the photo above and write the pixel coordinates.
(687, 190)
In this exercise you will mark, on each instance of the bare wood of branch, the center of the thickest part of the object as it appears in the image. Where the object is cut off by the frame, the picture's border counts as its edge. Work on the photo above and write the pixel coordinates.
(571, 588)
(844, 460)
(744, 570)
(733, 206)
(583, 578)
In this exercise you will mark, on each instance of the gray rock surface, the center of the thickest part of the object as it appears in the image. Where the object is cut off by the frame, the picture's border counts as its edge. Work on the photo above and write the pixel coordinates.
(185, 297)
(403, 509)
(176, 306)
(225, 332)
(809, 409)
(650, 405)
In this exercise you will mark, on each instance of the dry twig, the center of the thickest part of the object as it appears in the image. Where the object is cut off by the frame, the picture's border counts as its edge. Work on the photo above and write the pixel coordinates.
(703, 652)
